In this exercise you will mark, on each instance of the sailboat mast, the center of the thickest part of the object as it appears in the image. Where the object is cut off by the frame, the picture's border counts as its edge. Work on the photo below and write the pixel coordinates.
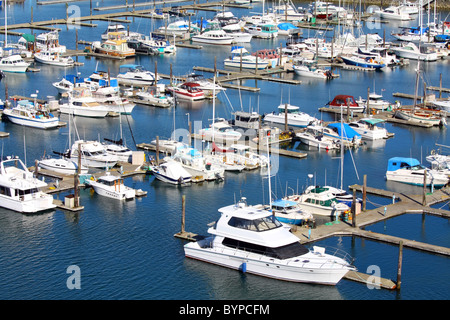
(6, 24)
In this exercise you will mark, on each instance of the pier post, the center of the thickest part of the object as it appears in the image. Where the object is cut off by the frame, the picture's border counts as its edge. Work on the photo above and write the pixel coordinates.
(285, 118)
(440, 86)
(157, 150)
(364, 196)
(354, 209)
(424, 197)
(183, 213)
(399, 267)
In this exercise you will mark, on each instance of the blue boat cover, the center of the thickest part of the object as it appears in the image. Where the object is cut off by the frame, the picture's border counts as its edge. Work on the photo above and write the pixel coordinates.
(348, 133)
(401, 162)
(286, 26)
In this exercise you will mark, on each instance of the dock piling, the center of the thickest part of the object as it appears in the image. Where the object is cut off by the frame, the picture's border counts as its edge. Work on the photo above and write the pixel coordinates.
(399, 267)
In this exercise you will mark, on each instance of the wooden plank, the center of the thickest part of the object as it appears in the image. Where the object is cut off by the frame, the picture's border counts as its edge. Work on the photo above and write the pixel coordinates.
(370, 280)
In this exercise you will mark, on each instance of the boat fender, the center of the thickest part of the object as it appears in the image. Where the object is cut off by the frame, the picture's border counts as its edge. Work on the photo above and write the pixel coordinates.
(244, 267)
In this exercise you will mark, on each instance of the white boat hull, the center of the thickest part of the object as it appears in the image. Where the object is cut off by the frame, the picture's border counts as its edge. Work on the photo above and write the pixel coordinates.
(40, 202)
(61, 166)
(34, 123)
(124, 194)
(306, 271)
(416, 178)
(95, 112)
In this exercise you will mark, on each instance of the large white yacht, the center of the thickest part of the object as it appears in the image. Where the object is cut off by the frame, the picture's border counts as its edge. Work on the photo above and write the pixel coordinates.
(252, 240)
(19, 190)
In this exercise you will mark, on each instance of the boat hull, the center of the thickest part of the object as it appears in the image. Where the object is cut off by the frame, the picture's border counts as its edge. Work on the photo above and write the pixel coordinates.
(84, 112)
(415, 179)
(41, 202)
(34, 123)
(61, 166)
(262, 265)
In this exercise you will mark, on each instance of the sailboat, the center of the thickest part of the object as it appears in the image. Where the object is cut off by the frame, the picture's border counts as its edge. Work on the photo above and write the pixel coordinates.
(117, 147)
(420, 115)
(13, 63)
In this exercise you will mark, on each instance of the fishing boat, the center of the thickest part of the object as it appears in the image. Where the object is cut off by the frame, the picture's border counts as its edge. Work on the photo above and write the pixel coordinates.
(92, 153)
(220, 131)
(49, 41)
(320, 201)
(368, 129)
(410, 171)
(28, 114)
(314, 136)
(133, 74)
(120, 29)
(241, 58)
(153, 96)
(53, 58)
(112, 187)
(188, 91)
(411, 51)
(345, 102)
(289, 212)
(115, 46)
(259, 244)
(294, 116)
(81, 103)
(20, 189)
(171, 172)
(13, 63)
(238, 33)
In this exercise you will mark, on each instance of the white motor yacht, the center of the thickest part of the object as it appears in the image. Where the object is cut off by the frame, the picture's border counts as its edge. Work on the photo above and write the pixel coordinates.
(314, 136)
(253, 240)
(171, 172)
(20, 189)
(133, 74)
(368, 129)
(13, 63)
(213, 36)
(320, 201)
(220, 131)
(241, 58)
(81, 103)
(112, 187)
(410, 171)
(62, 165)
(294, 116)
(53, 58)
(411, 51)
(93, 154)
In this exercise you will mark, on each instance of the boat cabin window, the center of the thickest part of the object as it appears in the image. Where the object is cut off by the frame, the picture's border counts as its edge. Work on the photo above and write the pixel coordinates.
(262, 224)
(284, 252)
(5, 191)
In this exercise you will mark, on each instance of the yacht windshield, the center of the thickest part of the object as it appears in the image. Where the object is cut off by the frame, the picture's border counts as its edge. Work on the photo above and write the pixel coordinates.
(262, 224)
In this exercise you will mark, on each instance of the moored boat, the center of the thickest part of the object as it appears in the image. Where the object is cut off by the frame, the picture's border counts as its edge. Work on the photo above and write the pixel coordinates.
(112, 187)
(20, 189)
(259, 244)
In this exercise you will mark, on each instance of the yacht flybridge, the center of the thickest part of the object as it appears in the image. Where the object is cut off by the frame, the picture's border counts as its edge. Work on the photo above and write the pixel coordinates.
(253, 240)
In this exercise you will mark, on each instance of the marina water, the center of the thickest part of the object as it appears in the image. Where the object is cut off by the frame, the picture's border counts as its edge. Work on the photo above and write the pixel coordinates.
(127, 250)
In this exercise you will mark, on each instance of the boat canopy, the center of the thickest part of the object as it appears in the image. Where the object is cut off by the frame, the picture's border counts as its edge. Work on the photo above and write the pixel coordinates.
(342, 100)
(286, 26)
(401, 162)
(348, 132)
(73, 78)
(372, 121)
(283, 203)
(131, 66)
